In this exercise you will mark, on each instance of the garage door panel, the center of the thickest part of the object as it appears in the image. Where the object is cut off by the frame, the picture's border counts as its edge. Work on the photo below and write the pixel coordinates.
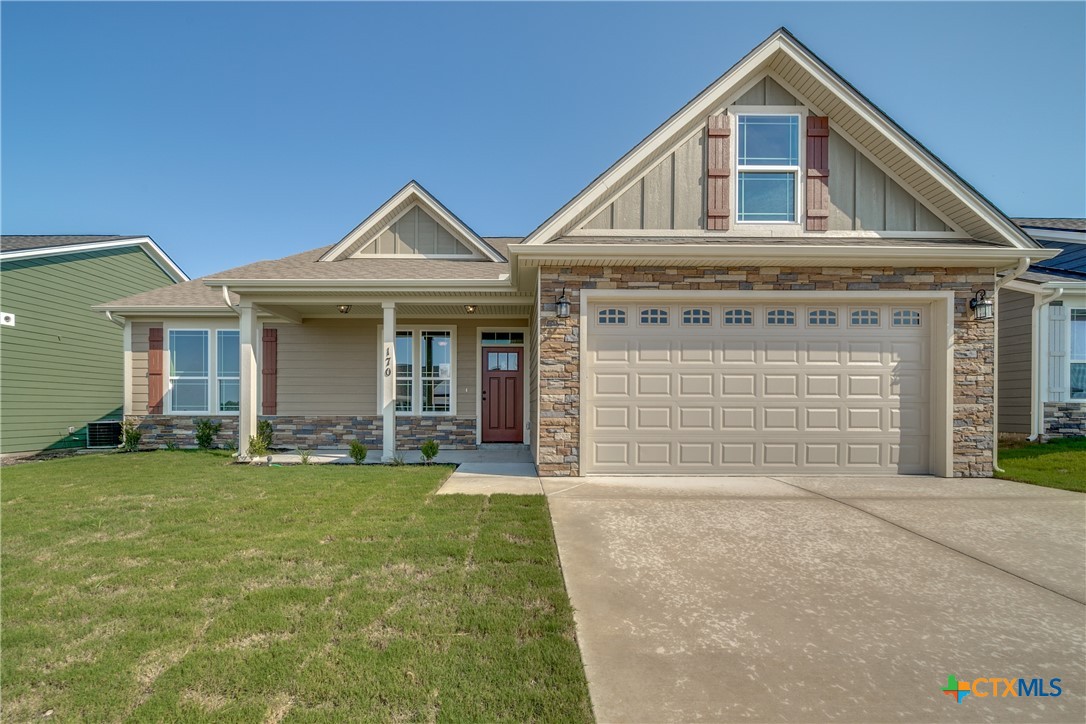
(711, 398)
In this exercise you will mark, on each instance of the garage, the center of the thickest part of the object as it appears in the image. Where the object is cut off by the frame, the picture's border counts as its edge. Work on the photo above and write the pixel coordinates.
(833, 385)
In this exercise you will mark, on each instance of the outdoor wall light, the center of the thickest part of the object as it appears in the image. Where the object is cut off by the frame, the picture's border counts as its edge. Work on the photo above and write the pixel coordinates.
(470, 308)
(982, 306)
(563, 305)
(344, 308)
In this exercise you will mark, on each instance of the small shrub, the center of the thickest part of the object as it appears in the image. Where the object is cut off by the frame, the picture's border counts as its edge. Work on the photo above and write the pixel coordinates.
(257, 447)
(304, 455)
(429, 451)
(130, 435)
(172, 446)
(206, 430)
(264, 432)
(358, 452)
(396, 461)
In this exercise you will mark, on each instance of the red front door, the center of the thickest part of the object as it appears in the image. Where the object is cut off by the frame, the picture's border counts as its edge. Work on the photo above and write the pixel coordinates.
(503, 394)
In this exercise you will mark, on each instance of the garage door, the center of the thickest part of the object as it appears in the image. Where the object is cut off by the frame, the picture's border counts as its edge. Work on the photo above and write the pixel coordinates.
(757, 388)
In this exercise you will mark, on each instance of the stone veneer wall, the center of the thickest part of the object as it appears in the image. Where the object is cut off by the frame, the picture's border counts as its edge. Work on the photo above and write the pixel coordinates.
(1065, 419)
(453, 433)
(559, 340)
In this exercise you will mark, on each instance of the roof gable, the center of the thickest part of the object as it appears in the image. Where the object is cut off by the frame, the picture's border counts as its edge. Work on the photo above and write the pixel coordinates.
(412, 224)
(14, 247)
(797, 73)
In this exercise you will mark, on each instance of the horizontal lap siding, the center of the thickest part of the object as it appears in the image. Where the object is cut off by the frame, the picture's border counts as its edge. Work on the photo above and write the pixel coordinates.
(1015, 315)
(62, 364)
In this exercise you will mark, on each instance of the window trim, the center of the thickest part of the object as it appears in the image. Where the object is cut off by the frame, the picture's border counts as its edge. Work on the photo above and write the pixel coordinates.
(698, 312)
(528, 364)
(745, 313)
(220, 378)
(416, 369)
(661, 312)
(620, 312)
(813, 309)
(868, 308)
(768, 315)
(212, 330)
(799, 170)
(914, 310)
(1071, 359)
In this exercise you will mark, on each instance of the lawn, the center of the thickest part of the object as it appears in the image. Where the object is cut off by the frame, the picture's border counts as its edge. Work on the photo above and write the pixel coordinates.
(175, 586)
(1056, 464)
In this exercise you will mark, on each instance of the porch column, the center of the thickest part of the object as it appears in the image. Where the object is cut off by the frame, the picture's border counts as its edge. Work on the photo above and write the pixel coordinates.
(250, 377)
(388, 372)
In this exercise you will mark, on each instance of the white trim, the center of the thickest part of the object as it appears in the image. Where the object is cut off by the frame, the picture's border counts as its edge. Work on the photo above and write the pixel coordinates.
(695, 110)
(414, 195)
(212, 329)
(941, 447)
(798, 171)
(1075, 237)
(416, 367)
(164, 262)
(129, 384)
(526, 404)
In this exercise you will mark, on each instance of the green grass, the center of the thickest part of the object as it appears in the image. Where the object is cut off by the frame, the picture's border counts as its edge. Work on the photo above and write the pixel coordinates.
(173, 586)
(1056, 464)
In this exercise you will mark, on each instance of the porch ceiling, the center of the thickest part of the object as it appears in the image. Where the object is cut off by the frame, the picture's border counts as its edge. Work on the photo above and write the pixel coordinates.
(371, 310)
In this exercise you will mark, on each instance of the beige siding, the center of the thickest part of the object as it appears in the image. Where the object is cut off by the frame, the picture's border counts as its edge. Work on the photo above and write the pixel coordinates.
(328, 367)
(766, 92)
(1015, 315)
(140, 332)
(416, 232)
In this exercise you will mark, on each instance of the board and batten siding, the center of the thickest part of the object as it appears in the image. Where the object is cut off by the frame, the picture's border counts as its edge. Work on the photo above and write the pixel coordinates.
(416, 232)
(671, 194)
(1015, 315)
(61, 364)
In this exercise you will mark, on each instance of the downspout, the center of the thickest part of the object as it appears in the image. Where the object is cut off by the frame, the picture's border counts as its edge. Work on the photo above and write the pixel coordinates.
(1037, 369)
(109, 316)
(1023, 265)
(226, 300)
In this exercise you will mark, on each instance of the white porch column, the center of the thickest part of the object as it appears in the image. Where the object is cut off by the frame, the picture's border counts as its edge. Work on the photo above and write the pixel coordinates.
(250, 374)
(388, 387)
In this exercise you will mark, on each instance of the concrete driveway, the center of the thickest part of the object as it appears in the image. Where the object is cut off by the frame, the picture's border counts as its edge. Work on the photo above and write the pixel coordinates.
(814, 599)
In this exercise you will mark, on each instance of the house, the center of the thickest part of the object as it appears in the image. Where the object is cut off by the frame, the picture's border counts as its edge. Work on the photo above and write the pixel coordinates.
(58, 359)
(1042, 337)
(778, 279)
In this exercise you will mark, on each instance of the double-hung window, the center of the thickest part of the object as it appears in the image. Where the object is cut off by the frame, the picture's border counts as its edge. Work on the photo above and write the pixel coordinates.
(1078, 354)
(424, 371)
(205, 371)
(767, 165)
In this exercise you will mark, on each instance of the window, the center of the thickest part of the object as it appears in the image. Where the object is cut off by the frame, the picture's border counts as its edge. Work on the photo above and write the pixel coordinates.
(405, 365)
(696, 316)
(228, 369)
(822, 317)
(502, 361)
(780, 317)
(864, 318)
(768, 167)
(436, 371)
(189, 383)
(1078, 354)
(905, 318)
(654, 315)
(493, 339)
(737, 317)
(612, 316)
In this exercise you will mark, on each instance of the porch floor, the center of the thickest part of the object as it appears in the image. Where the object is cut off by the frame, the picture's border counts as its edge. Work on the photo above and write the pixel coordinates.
(485, 454)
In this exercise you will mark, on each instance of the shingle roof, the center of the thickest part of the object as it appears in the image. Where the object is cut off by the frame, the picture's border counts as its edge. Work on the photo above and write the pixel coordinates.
(1071, 261)
(769, 241)
(1038, 277)
(197, 293)
(1052, 224)
(17, 242)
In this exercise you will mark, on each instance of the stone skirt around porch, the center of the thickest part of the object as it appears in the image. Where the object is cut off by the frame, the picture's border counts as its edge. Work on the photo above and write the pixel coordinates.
(312, 432)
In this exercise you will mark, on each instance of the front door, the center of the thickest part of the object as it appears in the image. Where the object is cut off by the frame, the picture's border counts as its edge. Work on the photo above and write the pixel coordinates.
(503, 394)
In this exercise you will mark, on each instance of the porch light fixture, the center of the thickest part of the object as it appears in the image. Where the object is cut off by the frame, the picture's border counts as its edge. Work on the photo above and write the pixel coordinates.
(563, 305)
(982, 306)
(344, 308)
(470, 308)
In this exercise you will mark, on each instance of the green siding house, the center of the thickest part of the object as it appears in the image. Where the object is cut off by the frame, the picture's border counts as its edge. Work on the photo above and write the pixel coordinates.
(58, 359)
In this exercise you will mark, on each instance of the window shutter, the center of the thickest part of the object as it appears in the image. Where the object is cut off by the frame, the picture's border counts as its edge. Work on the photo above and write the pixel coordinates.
(154, 371)
(818, 173)
(719, 169)
(270, 370)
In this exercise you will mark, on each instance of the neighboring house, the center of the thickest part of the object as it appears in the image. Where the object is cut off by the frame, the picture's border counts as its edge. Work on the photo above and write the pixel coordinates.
(1042, 337)
(776, 280)
(58, 359)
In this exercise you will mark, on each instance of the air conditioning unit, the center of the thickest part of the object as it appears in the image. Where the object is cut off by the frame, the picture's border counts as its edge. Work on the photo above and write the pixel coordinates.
(104, 434)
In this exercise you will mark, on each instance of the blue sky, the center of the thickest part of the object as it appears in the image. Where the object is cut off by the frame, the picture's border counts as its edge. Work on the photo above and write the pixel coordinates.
(237, 132)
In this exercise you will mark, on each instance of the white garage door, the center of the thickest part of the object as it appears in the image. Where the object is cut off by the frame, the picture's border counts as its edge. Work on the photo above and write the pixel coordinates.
(757, 388)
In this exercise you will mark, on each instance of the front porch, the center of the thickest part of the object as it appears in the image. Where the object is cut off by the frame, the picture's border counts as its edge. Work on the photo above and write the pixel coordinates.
(483, 455)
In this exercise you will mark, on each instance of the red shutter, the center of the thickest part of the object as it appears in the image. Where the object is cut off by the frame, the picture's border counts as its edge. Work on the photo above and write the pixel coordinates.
(154, 371)
(270, 370)
(719, 169)
(818, 173)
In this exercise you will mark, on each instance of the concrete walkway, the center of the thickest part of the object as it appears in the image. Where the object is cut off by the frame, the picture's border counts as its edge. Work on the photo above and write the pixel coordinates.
(490, 478)
(816, 599)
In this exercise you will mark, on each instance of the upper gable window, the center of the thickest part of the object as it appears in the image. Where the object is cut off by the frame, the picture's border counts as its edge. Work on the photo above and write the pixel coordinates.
(767, 160)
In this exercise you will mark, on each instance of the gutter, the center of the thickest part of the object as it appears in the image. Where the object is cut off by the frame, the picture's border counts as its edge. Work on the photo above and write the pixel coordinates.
(109, 316)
